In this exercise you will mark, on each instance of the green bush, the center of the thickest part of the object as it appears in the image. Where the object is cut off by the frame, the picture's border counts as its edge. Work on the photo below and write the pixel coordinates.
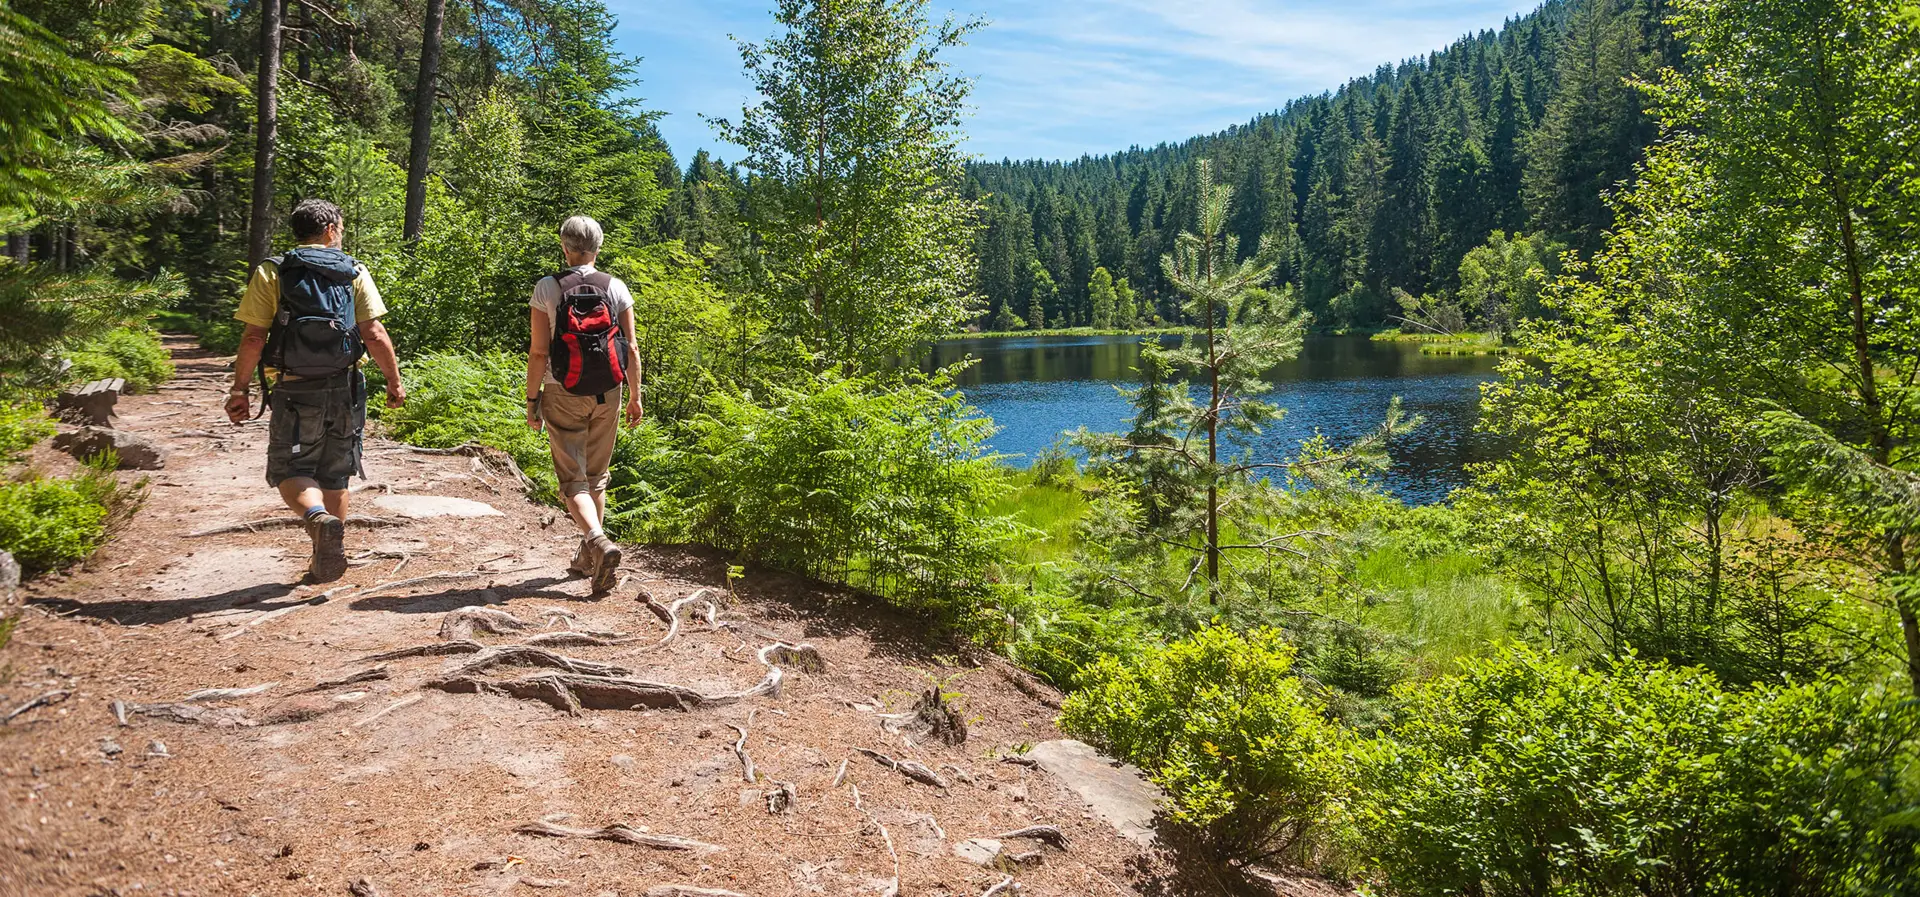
(1524, 776)
(133, 353)
(23, 422)
(1247, 757)
(50, 523)
(883, 486)
(456, 398)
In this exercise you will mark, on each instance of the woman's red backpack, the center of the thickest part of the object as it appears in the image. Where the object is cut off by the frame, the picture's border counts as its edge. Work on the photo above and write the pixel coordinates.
(589, 351)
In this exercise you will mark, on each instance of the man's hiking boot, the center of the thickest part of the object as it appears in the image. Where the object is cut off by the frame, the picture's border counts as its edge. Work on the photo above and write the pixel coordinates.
(329, 535)
(606, 557)
(583, 561)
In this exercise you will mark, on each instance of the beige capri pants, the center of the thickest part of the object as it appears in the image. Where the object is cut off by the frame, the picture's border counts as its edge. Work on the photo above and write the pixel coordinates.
(580, 433)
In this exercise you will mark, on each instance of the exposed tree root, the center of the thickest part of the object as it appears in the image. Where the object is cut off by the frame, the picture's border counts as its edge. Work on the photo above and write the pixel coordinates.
(196, 714)
(226, 694)
(573, 693)
(1050, 834)
(577, 638)
(1003, 887)
(461, 624)
(441, 649)
(740, 750)
(367, 675)
(260, 526)
(840, 776)
(619, 833)
(524, 656)
(670, 614)
(46, 700)
(893, 887)
(910, 768)
(689, 891)
(407, 701)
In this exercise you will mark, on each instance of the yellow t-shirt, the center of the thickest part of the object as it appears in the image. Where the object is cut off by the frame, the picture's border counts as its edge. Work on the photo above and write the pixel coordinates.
(262, 299)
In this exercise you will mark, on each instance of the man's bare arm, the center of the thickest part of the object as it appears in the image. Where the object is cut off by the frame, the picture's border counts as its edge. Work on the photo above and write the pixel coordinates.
(253, 343)
(380, 346)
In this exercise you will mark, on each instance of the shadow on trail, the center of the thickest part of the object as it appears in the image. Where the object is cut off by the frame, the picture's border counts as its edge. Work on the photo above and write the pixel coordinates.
(466, 596)
(131, 612)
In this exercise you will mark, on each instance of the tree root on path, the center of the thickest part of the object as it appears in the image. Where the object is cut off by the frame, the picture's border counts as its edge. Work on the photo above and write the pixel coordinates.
(620, 833)
(260, 526)
(46, 700)
(1002, 887)
(196, 714)
(226, 694)
(443, 576)
(740, 750)
(441, 649)
(689, 891)
(910, 768)
(525, 656)
(572, 692)
(893, 887)
(462, 623)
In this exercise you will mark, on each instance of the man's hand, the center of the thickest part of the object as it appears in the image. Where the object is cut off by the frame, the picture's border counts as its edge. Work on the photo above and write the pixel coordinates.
(634, 411)
(237, 406)
(396, 395)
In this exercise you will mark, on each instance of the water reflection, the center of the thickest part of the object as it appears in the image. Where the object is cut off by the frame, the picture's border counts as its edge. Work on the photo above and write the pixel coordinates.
(1036, 387)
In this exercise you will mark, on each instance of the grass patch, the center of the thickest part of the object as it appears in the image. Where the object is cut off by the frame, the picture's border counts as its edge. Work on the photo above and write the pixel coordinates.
(23, 423)
(1447, 605)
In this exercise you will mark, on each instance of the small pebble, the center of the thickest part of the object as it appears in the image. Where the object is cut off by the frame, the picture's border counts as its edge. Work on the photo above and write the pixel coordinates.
(157, 749)
(110, 747)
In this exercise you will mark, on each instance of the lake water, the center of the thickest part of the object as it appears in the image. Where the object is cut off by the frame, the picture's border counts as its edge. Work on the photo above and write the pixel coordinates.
(1037, 387)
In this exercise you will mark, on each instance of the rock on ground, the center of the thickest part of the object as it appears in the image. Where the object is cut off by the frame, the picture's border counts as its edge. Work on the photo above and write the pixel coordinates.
(421, 507)
(1117, 792)
(136, 452)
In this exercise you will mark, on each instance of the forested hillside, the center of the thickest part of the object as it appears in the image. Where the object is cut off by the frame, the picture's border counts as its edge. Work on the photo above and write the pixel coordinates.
(1384, 184)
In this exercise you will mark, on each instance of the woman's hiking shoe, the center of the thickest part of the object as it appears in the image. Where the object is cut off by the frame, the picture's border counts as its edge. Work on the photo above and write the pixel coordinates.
(583, 562)
(606, 557)
(329, 535)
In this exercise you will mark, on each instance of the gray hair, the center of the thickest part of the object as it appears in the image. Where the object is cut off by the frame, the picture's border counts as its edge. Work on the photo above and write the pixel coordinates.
(581, 234)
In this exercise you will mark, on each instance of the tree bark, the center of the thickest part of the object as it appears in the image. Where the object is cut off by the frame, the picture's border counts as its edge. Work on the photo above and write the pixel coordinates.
(423, 120)
(265, 132)
(17, 247)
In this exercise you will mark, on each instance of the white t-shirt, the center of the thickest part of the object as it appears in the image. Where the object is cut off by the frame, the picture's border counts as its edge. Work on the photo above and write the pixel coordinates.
(546, 295)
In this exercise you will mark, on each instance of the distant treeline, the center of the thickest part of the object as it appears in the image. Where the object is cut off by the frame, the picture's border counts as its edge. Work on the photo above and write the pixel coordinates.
(1386, 183)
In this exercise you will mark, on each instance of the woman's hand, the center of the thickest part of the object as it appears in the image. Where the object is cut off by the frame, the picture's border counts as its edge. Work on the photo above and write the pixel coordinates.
(533, 415)
(634, 411)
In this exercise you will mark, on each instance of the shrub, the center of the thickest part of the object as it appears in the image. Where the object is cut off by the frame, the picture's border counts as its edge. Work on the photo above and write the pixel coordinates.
(1523, 776)
(880, 486)
(23, 422)
(133, 353)
(455, 398)
(50, 523)
(1247, 758)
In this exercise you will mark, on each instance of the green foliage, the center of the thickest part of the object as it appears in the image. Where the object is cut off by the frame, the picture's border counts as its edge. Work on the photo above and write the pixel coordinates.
(49, 523)
(1501, 280)
(23, 423)
(865, 237)
(1218, 720)
(133, 353)
(1524, 776)
(461, 397)
(44, 312)
(851, 481)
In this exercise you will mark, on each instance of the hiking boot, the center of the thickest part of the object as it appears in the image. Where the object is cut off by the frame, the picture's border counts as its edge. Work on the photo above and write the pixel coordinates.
(584, 562)
(329, 535)
(606, 564)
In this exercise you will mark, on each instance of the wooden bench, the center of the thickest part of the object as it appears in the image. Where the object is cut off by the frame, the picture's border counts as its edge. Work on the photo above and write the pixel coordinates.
(93, 403)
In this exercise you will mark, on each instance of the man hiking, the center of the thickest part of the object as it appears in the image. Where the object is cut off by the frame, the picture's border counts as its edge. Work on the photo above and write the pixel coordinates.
(311, 314)
(583, 351)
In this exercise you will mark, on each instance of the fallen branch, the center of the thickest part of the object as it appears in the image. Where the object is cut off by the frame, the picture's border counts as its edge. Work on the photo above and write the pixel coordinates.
(893, 887)
(910, 768)
(689, 891)
(619, 833)
(407, 701)
(740, 750)
(256, 526)
(840, 776)
(1004, 884)
(46, 700)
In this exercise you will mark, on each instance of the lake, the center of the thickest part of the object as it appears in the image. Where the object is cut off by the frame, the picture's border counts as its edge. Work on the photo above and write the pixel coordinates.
(1036, 387)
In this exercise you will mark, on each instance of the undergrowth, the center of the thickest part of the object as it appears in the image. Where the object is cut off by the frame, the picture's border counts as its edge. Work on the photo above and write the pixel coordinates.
(49, 523)
(132, 353)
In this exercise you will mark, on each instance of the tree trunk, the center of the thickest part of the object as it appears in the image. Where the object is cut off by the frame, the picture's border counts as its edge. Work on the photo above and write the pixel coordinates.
(423, 120)
(265, 132)
(306, 43)
(17, 247)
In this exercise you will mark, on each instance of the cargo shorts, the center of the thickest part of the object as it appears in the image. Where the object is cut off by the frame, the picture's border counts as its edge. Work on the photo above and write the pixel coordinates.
(316, 430)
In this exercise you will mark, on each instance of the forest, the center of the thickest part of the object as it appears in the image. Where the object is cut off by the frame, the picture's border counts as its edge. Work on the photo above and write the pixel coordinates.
(1668, 642)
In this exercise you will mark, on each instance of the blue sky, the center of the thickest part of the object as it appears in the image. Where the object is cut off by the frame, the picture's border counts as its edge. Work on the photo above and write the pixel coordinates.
(1056, 80)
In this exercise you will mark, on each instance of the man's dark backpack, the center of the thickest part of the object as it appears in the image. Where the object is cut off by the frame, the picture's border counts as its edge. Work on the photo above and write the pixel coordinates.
(315, 336)
(588, 352)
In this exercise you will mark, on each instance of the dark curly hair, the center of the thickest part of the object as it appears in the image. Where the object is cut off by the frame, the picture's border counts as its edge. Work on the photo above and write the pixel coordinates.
(312, 217)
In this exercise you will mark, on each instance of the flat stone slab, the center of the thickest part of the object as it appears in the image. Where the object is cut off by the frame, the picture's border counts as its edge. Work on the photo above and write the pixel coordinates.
(419, 507)
(1117, 792)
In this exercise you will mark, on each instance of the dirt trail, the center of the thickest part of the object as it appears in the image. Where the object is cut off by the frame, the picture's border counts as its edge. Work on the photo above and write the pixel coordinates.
(303, 790)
